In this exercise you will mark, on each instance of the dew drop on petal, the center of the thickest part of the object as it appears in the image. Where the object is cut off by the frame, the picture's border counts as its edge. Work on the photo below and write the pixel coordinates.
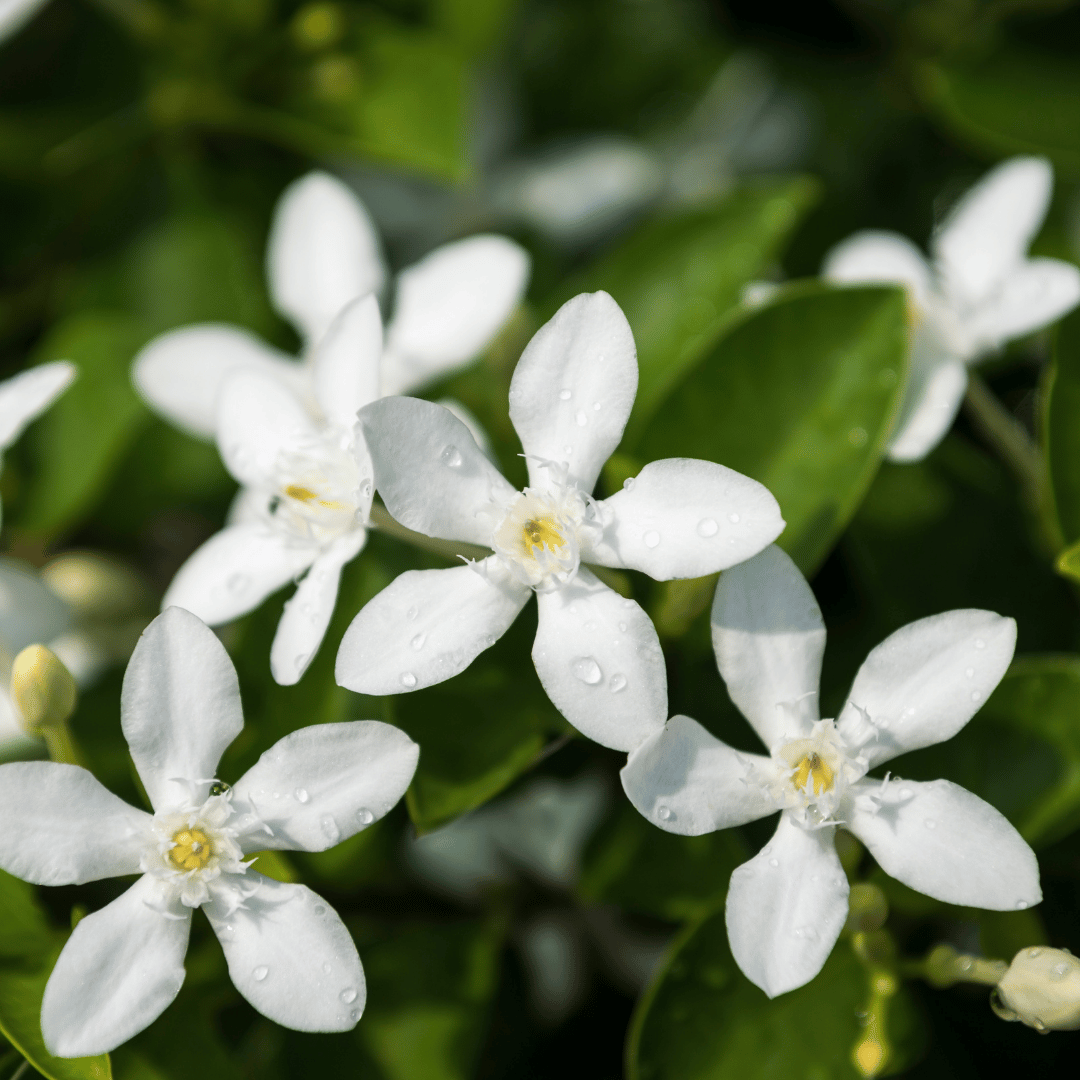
(319, 909)
(707, 527)
(774, 862)
(1034, 954)
(327, 968)
(969, 673)
(807, 932)
(348, 995)
(568, 449)
(587, 670)
(734, 518)
(1021, 904)
(976, 696)
(260, 973)
(301, 795)
(664, 813)
(629, 482)
(354, 1015)
(930, 823)
(597, 406)
(622, 628)
(565, 395)
(581, 418)
(330, 829)
(411, 614)
(651, 538)
(1059, 971)
(617, 683)
(364, 816)
(300, 661)
(979, 643)
(408, 679)
(418, 642)
(450, 456)
(237, 583)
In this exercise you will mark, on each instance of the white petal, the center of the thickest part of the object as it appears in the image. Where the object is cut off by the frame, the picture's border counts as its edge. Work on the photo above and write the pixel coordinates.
(430, 472)
(322, 784)
(940, 839)
(119, 971)
(449, 306)
(574, 386)
(786, 908)
(427, 626)
(345, 363)
(990, 229)
(249, 507)
(180, 706)
(28, 394)
(599, 659)
(769, 639)
(62, 827)
(880, 257)
(29, 611)
(932, 397)
(683, 518)
(258, 420)
(290, 955)
(472, 422)
(307, 615)
(180, 374)
(921, 685)
(688, 782)
(323, 253)
(14, 13)
(236, 570)
(1033, 295)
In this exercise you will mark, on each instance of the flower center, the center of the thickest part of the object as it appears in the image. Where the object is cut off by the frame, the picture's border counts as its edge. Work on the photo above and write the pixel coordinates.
(815, 771)
(191, 850)
(319, 494)
(543, 532)
(537, 538)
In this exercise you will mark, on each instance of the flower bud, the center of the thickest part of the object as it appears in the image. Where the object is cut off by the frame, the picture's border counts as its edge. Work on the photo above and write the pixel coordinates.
(96, 586)
(1041, 989)
(42, 689)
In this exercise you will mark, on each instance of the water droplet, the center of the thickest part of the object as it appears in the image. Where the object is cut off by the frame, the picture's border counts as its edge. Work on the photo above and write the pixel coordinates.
(365, 816)
(365, 490)
(327, 968)
(514, 395)
(1021, 904)
(306, 609)
(411, 614)
(408, 679)
(930, 823)
(301, 795)
(300, 661)
(966, 964)
(1034, 953)
(348, 995)
(354, 1015)
(597, 406)
(260, 973)
(418, 642)
(319, 909)
(807, 932)
(629, 482)
(617, 683)
(976, 696)
(581, 418)
(1060, 971)
(774, 862)
(587, 670)
(450, 456)
(237, 583)
(568, 450)
(651, 538)
(664, 813)
(979, 643)
(707, 527)
(622, 628)
(330, 829)
(565, 395)
(857, 436)
(734, 518)
(969, 673)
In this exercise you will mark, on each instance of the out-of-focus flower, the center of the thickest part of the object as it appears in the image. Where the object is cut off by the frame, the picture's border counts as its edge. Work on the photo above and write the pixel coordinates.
(980, 291)
(307, 488)
(288, 952)
(15, 13)
(324, 255)
(1041, 989)
(787, 905)
(597, 653)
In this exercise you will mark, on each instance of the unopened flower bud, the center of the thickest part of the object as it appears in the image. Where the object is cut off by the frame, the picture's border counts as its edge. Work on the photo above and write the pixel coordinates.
(42, 689)
(1041, 989)
(96, 586)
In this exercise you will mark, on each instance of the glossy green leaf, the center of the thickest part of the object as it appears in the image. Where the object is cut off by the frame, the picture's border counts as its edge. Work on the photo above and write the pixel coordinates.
(702, 1019)
(633, 864)
(801, 396)
(1061, 429)
(24, 927)
(679, 280)
(79, 440)
(1013, 102)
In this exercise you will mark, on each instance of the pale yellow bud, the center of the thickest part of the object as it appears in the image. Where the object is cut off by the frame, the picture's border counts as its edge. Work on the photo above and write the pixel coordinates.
(1041, 989)
(42, 689)
(95, 586)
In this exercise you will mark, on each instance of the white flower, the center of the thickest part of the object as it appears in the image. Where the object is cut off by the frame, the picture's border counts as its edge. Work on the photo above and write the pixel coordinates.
(323, 255)
(305, 498)
(980, 292)
(25, 396)
(596, 653)
(14, 13)
(787, 905)
(288, 952)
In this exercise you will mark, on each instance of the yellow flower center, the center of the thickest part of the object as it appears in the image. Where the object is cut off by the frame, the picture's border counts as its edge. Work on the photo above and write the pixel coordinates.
(306, 495)
(192, 849)
(813, 767)
(541, 533)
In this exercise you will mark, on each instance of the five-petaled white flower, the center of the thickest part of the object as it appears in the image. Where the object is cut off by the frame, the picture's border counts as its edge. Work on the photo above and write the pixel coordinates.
(597, 654)
(305, 498)
(981, 291)
(288, 952)
(25, 396)
(323, 255)
(787, 905)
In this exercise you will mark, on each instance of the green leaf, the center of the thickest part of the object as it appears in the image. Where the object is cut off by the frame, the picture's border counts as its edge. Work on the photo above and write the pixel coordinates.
(21, 991)
(679, 280)
(702, 1019)
(79, 440)
(631, 863)
(1012, 103)
(1061, 428)
(24, 927)
(799, 395)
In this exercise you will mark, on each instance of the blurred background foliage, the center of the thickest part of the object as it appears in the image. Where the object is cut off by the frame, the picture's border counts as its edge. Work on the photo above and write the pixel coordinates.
(516, 917)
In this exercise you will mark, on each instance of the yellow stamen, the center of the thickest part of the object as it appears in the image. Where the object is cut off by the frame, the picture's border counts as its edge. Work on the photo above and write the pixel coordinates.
(192, 849)
(814, 767)
(300, 493)
(542, 532)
